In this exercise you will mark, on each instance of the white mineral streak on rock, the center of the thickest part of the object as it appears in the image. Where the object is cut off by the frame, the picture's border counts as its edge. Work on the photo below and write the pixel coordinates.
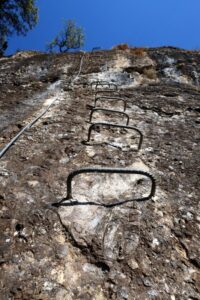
(172, 72)
(180, 98)
(196, 76)
(53, 92)
(133, 264)
(155, 243)
(92, 269)
(169, 60)
(175, 75)
(113, 76)
(115, 72)
(87, 221)
(121, 62)
(54, 96)
(90, 151)
(63, 295)
(83, 220)
(65, 68)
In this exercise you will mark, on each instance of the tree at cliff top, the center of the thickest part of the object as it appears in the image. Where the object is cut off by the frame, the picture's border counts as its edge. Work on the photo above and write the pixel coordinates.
(16, 16)
(71, 37)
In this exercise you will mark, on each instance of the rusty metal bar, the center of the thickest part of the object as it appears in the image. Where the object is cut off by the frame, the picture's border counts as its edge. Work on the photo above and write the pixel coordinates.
(108, 171)
(109, 111)
(110, 98)
(92, 126)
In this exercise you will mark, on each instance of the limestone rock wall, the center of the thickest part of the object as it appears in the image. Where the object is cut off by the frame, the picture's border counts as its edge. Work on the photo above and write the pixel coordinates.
(138, 250)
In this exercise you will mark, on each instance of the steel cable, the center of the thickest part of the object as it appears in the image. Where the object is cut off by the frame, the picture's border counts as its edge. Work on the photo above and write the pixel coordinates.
(29, 125)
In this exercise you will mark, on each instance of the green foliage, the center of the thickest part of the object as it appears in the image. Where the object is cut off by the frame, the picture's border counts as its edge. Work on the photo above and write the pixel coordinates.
(71, 37)
(16, 16)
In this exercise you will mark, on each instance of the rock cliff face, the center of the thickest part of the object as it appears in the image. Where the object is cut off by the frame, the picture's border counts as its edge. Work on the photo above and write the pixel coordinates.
(137, 250)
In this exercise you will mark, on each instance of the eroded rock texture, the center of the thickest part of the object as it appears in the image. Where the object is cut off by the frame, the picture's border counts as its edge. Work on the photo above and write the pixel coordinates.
(139, 250)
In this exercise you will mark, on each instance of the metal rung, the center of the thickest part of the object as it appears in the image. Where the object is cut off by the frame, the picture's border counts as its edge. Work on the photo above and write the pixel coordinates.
(99, 82)
(110, 98)
(104, 170)
(104, 83)
(109, 111)
(92, 127)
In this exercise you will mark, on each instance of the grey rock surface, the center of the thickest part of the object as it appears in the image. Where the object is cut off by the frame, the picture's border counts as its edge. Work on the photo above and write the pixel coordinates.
(139, 250)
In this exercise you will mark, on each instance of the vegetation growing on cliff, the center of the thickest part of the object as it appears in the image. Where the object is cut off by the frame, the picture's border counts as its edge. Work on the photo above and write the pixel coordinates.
(71, 37)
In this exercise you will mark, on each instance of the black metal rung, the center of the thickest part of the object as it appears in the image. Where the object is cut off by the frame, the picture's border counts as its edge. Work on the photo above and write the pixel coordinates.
(92, 126)
(99, 82)
(109, 111)
(110, 171)
(104, 83)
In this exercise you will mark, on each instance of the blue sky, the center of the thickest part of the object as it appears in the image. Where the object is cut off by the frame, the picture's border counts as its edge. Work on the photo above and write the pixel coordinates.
(106, 23)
